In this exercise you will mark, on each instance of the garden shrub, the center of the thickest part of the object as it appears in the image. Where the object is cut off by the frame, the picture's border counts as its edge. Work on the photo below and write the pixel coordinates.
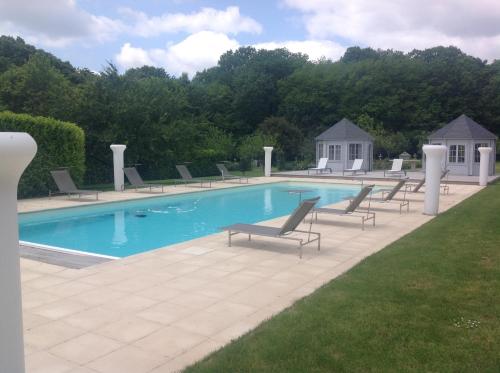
(60, 144)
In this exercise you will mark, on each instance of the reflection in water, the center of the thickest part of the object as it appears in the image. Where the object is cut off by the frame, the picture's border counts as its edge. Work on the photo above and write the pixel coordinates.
(119, 235)
(268, 202)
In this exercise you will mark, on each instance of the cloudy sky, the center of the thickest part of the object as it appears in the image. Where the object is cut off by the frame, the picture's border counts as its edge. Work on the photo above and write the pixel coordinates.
(190, 35)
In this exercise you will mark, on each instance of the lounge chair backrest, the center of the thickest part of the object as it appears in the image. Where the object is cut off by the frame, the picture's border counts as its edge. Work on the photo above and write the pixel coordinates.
(419, 185)
(63, 180)
(397, 164)
(133, 176)
(322, 163)
(356, 165)
(444, 173)
(184, 172)
(359, 198)
(396, 189)
(222, 168)
(298, 215)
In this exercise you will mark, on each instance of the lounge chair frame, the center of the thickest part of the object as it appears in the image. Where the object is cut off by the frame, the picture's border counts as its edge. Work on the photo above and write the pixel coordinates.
(357, 162)
(225, 175)
(351, 209)
(396, 170)
(389, 194)
(288, 228)
(66, 185)
(322, 166)
(137, 182)
(187, 178)
(415, 187)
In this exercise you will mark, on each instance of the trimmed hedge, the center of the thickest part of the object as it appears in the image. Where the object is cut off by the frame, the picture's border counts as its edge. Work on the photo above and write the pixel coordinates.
(60, 144)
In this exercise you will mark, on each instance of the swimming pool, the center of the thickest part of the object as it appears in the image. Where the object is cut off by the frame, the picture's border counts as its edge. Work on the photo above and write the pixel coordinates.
(121, 229)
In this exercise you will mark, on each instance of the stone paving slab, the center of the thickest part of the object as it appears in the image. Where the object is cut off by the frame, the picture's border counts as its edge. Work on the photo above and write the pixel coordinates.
(162, 310)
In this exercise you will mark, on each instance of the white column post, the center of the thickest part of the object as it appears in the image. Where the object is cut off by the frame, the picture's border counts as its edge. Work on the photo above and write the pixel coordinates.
(118, 166)
(267, 160)
(16, 152)
(434, 155)
(484, 165)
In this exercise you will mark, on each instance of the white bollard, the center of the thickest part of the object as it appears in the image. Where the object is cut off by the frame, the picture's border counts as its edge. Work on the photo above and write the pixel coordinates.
(267, 160)
(433, 159)
(16, 152)
(484, 165)
(118, 166)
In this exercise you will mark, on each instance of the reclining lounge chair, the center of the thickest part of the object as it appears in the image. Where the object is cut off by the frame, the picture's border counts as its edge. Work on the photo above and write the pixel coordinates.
(285, 231)
(225, 175)
(356, 166)
(396, 169)
(415, 187)
(66, 185)
(322, 163)
(389, 194)
(136, 180)
(187, 178)
(351, 208)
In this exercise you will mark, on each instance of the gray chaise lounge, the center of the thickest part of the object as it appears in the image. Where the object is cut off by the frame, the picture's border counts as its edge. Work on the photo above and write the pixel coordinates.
(284, 231)
(351, 208)
(225, 175)
(415, 187)
(187, 178)
(66, 185)
(136, 180)
(389, 194)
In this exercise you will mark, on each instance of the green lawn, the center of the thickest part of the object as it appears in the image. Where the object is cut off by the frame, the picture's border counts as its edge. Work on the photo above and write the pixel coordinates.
(428, 302)
(498, 168)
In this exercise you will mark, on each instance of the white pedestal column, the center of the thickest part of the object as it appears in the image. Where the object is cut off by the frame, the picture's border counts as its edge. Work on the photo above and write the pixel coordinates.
(267, 160)
(484, 165)
(16, 152)
(433, 158)
(118, 166)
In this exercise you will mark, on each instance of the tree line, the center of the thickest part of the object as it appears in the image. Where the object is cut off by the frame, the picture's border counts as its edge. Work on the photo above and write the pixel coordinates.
(250, 99)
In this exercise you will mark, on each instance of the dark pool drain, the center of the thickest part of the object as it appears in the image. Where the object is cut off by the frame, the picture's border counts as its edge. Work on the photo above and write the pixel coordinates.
(140, 215)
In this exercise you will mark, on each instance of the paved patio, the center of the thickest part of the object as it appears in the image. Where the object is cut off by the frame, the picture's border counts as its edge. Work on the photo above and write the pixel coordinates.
(165, 309)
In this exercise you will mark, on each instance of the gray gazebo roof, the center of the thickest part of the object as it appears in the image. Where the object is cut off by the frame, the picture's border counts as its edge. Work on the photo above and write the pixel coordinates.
(463, 128)
(345, 130)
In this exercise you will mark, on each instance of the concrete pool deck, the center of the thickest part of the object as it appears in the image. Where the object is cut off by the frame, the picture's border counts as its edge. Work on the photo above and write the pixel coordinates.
(162, 310)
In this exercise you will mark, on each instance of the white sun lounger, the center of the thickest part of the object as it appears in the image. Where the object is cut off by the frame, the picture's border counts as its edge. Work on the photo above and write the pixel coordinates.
(322, 166)
(356, 166)
(396, 169)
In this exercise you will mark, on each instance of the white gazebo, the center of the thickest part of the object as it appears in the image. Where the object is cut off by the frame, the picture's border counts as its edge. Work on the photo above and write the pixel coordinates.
(462, 138)
(342, 144)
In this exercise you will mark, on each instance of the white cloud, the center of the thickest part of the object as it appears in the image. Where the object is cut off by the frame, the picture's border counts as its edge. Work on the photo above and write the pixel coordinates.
(195, 53)
(315, 49)
(228, 21)
(473, 26)
(55, 23)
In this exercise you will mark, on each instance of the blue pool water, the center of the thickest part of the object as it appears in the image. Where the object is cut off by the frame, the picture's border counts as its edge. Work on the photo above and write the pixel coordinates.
(125, 228)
